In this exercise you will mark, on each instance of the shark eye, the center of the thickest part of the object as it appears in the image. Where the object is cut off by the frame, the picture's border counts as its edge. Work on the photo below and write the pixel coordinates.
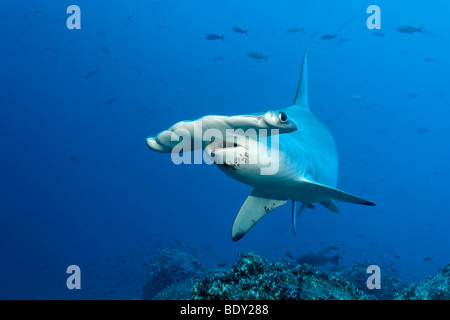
(282, 116)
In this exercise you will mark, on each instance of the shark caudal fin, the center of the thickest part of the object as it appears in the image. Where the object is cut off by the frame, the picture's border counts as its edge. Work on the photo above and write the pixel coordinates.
(301, 98)
(254, 208)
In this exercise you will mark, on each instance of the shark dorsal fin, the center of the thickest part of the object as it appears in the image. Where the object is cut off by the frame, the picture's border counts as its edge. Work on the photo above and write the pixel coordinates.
(301, 98)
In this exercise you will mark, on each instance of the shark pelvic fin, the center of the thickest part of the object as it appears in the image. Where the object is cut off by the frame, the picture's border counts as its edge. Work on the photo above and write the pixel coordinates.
(331, 205)
(301, 98)
(296, 213)
(254, 208)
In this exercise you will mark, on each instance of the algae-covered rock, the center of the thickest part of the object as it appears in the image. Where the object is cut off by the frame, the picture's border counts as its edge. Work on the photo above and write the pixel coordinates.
(171, 267)
(253, 277)
(436, 287)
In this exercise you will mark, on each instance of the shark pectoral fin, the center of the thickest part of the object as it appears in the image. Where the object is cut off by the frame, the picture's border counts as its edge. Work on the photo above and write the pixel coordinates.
(331, 205)
(254, 208)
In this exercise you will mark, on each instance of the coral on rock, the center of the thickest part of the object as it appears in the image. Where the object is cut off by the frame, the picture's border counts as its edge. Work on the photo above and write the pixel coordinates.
(254, 277)
(171, 267)
(436, 287)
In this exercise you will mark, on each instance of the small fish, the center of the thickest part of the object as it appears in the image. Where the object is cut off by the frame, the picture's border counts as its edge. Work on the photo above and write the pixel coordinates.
(218, 58)
(239, 30)
(105, 49)
(430, 59)
(426, 259)
(130, 15)
(343, 40)
(92, 72)
(290, 255)
(257, 56)
(423, 130)
(355, 97)
(113, 100)
(332, 248)
(318, 259)
(329, 36)
(409, 29)
(413, 95)
(213, 36)
(222, 265)
(74, 159)
(377, 33)
(295, 30)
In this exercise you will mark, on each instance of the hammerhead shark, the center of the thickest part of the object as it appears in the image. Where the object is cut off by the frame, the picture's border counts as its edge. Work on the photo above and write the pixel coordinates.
(301, 150)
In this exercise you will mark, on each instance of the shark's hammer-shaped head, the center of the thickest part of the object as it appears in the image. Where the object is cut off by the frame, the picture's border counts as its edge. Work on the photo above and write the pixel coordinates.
(284, 154)
(247, 153)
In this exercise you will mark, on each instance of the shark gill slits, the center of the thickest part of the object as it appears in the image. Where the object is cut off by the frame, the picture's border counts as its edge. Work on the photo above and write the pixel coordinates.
(282, 116)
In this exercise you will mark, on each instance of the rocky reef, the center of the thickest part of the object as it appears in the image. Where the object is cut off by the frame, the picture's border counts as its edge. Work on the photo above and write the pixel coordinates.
(170, 275)
(435, 287)
(253, 277)
(176, 275)
(357, 275)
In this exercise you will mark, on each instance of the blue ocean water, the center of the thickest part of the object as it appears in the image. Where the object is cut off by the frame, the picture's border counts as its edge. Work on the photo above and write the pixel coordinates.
(80, 187)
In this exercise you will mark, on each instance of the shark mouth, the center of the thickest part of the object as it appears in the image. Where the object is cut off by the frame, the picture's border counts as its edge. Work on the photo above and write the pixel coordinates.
(230, 155)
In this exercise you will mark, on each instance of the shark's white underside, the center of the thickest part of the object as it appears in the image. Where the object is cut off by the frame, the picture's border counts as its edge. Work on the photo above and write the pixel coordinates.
(306, 155)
